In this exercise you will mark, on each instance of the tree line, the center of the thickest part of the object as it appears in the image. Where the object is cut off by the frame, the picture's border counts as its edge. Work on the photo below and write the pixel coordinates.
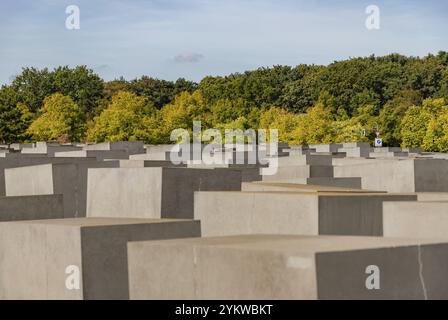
(405, 98)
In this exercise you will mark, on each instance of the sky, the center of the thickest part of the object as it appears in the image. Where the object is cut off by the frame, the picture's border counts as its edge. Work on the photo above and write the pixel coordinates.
(169, 39)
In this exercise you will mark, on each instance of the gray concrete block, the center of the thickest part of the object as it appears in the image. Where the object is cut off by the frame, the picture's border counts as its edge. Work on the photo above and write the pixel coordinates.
(49, 150)
(298, 187)
(363, 145)
(14, 160)
(410, 175)
(31, 207)
(300, 213)
(352, 183)
(99, 155)
(326, 147)
(287, 267)
(428, 219)
(300, 172)
(35, 255)
(130, 147)
(307, 159)
(356, 152)
(388, 154)
(148, 164)
(432, 196)
(68, 179)
(153, 192)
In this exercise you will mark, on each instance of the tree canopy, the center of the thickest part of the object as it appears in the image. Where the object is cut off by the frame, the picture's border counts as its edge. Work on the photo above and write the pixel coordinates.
(401, 96)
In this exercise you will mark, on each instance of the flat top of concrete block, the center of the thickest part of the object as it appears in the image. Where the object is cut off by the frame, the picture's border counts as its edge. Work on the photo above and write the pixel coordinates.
(309, 187)
(291, 244)
(96, 222)
(321, 193)
(425, 203)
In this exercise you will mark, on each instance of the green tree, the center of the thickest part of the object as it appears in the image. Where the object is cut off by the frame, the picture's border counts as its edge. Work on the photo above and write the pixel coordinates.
(81, 84)
(391, 115)
(315, 126)
(180, 114)
(128, 117)
(15, 117)
(436, 138)
(416, 120)
(59, 116)
(282, 120)
(32, 86)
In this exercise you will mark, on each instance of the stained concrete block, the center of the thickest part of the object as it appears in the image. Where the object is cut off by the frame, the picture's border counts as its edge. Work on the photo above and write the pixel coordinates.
(354, 183)
(301, 213)
(428, 219)
(68, 179)
(298, 187)
(410, 175)
(130, 147)
(326, 147)
(14, 160)
(364, 145)
(356, 152)
(388, 154)
(300, 172)
(148, 164)
(96, 246)
(307, 159)
(49, 150)
(432, 196)
(386, 149)
(99, 155)
(287, 267)
(153, 192)
(31, 207)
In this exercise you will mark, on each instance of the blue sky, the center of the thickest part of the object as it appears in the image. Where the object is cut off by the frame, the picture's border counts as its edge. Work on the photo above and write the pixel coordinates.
(169, 39)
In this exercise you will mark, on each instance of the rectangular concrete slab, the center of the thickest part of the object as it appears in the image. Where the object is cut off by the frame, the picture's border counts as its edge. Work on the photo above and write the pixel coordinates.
(409, 175)
(153, 192)
(299, 187)
(309, 213)
(35, 255)
(31, 207)
(287, 267)
(299, 172)
(428, 219)
(68, 179)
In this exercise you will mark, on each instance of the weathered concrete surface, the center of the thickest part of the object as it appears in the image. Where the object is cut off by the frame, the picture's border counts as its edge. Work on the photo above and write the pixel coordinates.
(68, 179)
(432, 196)
(153, 192)
(49, 150)
(411, 175)
(300, 172)
(301, 213)
(298, 187)
(148, 164)
(99, 155)
(326, 147)
(31, 207)
(353, 183)
(15, 160)
(356, 152)
(388, 154)
(427, 219)
(352, 145)
(130, 147)
(307, 159)
(287, 267)
(35, 255)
